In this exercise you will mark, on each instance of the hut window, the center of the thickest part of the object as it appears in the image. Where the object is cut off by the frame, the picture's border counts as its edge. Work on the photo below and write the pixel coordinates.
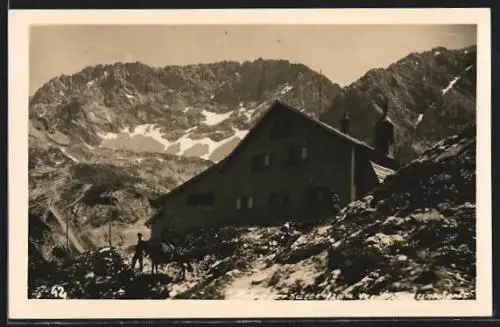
(201, 199)
(250, 202)
(303, 153)
(261, 162)
(298, 154)
(245, 202)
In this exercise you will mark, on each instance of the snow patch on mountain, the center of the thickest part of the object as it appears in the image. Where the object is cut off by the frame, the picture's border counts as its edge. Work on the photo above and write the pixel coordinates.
(63, 150)
(214, 145)
(186, 145)
(240, 133)
(108, 136)
(286, 89)
(185, 142)
(419, 119)
(148, 130)
(204, 143)
(453, 81)
(129, 96)
(212, 118)
(450, 85)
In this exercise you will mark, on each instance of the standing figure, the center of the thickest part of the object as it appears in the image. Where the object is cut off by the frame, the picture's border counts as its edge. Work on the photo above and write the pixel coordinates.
(140, 248)
(336, 202)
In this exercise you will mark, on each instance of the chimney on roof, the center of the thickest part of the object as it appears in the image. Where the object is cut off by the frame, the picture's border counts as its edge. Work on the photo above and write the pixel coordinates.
(344, 123)
(384, 133)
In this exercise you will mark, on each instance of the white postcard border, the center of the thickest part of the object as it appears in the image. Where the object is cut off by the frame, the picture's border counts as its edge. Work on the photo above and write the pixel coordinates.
(19, 306)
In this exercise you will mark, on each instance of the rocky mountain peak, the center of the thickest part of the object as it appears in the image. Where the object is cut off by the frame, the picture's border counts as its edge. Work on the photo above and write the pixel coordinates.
(194, 110)
(431, 95)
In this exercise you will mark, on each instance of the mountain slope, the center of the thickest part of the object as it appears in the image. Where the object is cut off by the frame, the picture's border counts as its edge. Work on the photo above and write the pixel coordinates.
(205, 110)
(431, 95)
(76, 191)
(196, 110)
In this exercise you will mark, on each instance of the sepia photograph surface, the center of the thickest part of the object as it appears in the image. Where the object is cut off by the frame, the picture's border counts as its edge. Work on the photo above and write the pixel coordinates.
(329, 163)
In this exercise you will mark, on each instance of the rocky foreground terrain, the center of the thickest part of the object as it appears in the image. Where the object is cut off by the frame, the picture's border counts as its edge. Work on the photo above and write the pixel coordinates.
(413, 237)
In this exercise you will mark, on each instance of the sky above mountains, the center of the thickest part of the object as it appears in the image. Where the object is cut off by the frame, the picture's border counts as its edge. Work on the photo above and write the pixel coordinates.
(341, 52)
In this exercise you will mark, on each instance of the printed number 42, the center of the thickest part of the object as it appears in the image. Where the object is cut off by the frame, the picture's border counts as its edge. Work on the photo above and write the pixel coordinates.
(58, 292)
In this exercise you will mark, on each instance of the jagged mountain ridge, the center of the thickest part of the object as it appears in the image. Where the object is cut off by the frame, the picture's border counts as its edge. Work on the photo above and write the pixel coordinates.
(203, 111)
(431, 95)
(195, 110)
